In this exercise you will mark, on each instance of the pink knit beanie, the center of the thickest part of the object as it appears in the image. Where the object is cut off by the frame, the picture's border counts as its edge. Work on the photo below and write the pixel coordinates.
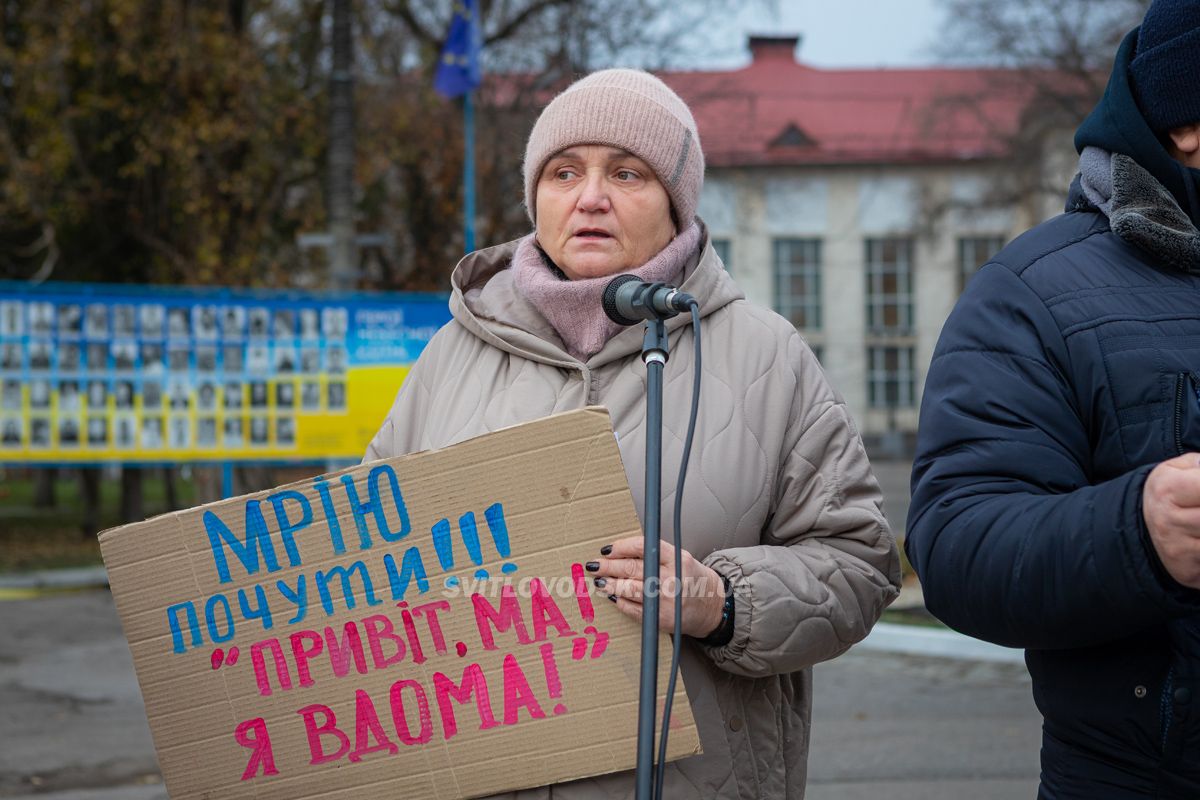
(629, 109)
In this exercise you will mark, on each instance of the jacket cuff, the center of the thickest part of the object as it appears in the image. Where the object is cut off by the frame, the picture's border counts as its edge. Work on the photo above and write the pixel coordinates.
(1177, 594)
(743, 613)
(723, 633)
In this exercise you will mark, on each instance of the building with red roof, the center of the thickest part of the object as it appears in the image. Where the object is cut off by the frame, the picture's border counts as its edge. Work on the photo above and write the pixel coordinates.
(857, 202)
(780, 111)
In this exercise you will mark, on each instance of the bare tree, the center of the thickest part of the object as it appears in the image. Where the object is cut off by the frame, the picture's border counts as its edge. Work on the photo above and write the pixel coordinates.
(540, 35)
(412, 138)
(1062, 48)
(1046, 63)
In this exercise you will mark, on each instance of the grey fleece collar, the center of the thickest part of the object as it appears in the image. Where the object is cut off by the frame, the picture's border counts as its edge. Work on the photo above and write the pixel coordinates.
(1139, 209)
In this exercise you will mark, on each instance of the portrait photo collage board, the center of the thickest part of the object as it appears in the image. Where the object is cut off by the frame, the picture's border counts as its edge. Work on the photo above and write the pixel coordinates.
(92, 373)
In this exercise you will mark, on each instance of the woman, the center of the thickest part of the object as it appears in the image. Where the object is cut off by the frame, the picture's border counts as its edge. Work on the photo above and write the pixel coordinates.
(781, 505)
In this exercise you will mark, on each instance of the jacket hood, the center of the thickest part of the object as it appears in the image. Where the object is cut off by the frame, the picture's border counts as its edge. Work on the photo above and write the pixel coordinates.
(1118, 126)
(485, 301)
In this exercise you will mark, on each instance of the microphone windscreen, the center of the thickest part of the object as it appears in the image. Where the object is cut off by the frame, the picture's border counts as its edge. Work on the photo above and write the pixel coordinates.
(610, 300)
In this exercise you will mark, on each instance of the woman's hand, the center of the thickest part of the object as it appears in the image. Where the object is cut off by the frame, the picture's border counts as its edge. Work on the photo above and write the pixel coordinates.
(620, 575)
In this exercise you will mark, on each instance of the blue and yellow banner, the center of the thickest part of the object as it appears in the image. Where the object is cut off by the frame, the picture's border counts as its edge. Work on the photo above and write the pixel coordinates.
(96, 373)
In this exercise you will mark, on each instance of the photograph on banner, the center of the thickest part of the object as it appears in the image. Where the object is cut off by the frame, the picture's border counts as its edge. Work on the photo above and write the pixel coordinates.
(132, 374)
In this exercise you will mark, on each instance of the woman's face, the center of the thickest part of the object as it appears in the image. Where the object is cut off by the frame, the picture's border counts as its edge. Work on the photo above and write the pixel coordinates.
(601, 211)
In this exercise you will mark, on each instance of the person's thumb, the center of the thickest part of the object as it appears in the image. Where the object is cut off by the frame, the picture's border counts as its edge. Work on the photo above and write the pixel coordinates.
(1185, 461)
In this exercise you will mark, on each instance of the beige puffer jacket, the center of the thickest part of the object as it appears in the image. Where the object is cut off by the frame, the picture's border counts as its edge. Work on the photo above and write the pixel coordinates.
(780, 497)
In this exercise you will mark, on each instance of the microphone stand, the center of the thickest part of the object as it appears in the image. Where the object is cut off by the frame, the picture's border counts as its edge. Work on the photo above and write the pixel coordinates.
(654, 355)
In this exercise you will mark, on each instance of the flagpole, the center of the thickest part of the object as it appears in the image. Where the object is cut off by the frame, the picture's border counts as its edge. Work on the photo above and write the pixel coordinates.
(469, 172)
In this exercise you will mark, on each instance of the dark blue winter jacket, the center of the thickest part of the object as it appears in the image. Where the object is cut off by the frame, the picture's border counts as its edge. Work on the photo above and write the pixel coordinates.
(1068, 370)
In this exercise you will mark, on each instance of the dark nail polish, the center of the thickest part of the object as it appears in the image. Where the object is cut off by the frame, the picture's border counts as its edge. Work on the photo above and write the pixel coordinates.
(612, 597)
(592, 566)
(606, 549)
(600, 582)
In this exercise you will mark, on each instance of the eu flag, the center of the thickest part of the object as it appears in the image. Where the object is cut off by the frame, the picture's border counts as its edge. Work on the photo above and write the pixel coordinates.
(458, 66)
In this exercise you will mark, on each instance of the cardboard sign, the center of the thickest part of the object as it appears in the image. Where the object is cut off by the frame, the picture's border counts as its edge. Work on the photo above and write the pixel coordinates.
(416, 627)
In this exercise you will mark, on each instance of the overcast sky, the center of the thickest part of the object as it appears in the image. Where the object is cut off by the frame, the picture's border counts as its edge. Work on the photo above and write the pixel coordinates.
(861, 33)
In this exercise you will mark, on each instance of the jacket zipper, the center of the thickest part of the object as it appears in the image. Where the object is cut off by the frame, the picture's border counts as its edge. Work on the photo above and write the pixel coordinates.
(1180, 387)
(1165, 705)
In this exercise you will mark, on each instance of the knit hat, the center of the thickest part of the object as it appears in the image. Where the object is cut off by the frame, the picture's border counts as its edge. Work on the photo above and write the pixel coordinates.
(629, 109)
(1166, 69)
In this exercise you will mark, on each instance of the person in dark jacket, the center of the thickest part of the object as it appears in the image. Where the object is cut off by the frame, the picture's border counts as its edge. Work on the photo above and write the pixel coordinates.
(1056, 489)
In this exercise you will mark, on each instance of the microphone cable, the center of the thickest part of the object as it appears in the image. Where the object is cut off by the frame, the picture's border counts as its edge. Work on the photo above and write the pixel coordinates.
(677, 636)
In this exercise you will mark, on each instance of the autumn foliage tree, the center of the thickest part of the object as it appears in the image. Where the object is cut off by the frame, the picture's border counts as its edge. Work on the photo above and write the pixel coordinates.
(166, 142)
(169, 142)
(184, 141)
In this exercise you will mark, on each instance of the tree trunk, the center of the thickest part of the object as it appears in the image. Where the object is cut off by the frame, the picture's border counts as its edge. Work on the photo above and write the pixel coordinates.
(207, 483)
(340, 198)
(253, 478)
(43, 487)
(89, 491)
(169, 490)
(132, 507)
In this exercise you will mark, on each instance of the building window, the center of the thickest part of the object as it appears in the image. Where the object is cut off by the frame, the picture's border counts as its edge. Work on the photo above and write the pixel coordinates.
(798, 281)
(973, 253)
(889, 286)
(722, 248)
(890, 378)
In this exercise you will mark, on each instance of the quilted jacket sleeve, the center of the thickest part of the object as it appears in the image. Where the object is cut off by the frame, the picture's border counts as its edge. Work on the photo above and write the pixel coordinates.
(1012, 541)
(400, 433)
(827, 565)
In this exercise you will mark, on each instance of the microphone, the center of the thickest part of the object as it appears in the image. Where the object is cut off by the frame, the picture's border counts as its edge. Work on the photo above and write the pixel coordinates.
(628, 300)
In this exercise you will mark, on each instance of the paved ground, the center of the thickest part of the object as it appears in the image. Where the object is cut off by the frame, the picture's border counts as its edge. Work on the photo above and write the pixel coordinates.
(911, 728)
(71, 716)
(893, 479)
(884, 726)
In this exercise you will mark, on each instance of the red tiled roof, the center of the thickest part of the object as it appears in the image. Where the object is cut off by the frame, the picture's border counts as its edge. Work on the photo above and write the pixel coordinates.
(778, 111)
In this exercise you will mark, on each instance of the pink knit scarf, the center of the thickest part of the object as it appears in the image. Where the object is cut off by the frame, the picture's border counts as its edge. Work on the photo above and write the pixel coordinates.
(574, 308)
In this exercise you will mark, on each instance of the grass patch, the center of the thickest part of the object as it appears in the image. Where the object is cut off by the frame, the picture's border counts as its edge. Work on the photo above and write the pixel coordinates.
(912, 616)
(905, 565)
(49, 538)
